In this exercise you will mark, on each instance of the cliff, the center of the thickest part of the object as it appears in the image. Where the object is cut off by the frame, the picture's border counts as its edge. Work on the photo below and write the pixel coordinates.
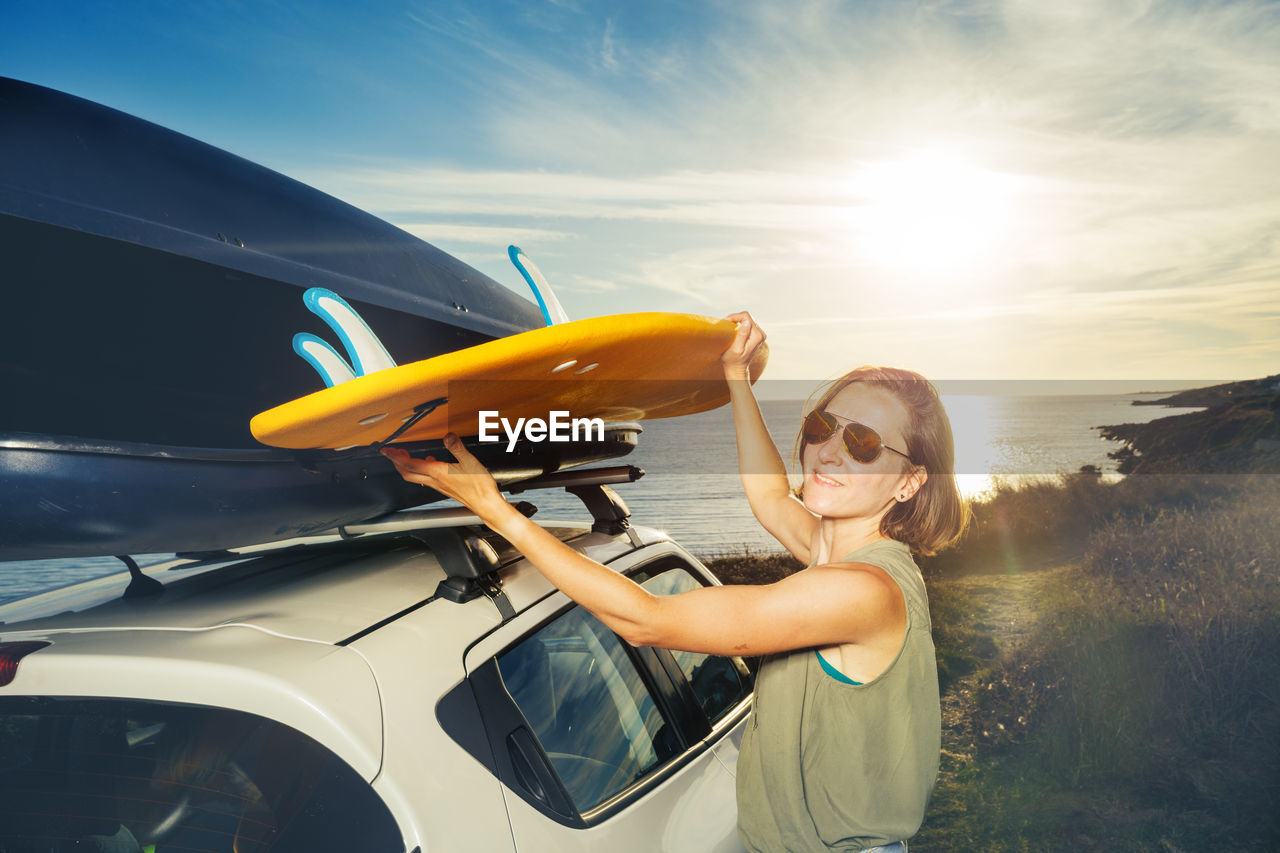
(1239, 431)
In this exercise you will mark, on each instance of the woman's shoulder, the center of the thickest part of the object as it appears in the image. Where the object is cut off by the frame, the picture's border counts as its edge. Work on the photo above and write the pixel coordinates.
(894, 559)
(881, 551)
(884, 562)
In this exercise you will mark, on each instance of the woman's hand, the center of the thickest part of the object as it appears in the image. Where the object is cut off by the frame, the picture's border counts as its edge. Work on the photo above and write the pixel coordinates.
(466, 481)
(748, 340)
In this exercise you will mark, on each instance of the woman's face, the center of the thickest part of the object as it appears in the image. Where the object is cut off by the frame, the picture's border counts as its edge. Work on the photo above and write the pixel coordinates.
(835, 486)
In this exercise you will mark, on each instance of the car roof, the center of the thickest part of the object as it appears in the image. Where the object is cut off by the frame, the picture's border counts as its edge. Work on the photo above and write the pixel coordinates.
(325, 590)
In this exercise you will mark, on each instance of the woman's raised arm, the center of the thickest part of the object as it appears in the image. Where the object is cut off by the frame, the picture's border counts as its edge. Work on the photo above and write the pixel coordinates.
(760, 466)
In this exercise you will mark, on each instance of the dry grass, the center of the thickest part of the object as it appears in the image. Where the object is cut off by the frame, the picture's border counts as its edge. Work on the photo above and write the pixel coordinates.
(753, 568)
(1144, 714)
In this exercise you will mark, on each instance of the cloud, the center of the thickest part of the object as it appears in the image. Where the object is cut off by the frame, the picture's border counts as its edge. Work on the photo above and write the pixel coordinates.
(777, 201)
(608, 50)
(716, 163)
(489, 235)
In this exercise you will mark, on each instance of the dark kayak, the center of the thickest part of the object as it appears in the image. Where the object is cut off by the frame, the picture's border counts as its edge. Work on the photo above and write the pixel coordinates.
(153, 285)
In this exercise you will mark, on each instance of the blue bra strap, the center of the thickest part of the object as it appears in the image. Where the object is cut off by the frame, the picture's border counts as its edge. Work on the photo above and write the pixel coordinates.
(833, 672)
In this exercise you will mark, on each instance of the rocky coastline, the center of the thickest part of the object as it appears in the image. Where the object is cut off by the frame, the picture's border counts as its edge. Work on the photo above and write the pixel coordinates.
(1237, 432)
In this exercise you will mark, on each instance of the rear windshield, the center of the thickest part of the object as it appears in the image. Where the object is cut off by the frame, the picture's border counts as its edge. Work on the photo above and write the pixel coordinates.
(144, 777)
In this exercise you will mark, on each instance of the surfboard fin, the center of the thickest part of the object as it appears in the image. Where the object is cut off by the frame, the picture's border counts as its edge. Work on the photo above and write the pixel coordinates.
(333, 368)
(547, 302)
(366, 352)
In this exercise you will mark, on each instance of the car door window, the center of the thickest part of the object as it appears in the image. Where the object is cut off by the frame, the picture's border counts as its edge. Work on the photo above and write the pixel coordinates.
(719, 682)
(588, 706)
(122, 775)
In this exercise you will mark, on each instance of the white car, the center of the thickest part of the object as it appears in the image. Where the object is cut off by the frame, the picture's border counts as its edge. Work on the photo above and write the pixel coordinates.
(407, 685)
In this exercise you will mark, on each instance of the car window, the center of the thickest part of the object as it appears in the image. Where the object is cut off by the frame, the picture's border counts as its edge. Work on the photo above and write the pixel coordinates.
(114, 775)
(719, 682)
(588, 706)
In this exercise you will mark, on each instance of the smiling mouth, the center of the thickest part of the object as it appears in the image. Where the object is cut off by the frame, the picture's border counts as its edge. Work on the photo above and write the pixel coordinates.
(824, 480)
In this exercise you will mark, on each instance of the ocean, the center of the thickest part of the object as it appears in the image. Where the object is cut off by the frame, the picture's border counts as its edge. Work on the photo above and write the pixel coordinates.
(691, 490)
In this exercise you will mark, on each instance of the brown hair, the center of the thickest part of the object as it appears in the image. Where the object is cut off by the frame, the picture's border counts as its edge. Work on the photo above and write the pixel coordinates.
(936, 515)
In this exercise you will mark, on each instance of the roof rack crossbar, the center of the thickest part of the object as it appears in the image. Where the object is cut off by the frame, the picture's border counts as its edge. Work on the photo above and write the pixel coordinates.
(582, 477)
(418, 519)
(609, 512)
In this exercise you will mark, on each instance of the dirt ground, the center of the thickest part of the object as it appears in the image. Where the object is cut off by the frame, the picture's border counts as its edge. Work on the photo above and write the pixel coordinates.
(1006, 606)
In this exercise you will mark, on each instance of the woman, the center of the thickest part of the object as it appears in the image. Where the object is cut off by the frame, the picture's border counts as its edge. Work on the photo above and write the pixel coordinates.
(841, 752)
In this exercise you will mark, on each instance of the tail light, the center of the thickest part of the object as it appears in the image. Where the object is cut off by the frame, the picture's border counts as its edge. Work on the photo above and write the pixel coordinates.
(11, 654)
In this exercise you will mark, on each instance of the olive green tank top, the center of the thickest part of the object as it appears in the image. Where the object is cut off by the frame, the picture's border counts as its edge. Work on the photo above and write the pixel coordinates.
(826, 765)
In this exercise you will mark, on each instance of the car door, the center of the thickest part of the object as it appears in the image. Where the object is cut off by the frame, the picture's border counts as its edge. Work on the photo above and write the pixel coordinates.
(602, 746)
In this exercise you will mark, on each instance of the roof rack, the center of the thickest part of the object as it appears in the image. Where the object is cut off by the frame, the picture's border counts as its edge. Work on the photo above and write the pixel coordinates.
(422, 519)
(609, 512)
(580, 477)
(470, 563)
(588, 485)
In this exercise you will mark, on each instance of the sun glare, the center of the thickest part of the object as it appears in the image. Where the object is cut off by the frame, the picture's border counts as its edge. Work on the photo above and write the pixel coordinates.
(928, 212)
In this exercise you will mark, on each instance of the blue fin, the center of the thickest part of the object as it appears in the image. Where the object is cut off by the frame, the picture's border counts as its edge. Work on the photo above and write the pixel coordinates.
(366, 352)
(552, 313)
(333, 368)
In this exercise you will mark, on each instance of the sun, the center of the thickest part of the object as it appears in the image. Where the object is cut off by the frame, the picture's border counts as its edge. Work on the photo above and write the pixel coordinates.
(929, 212)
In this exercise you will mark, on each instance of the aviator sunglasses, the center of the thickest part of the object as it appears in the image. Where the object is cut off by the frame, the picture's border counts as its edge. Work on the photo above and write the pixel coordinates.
(862, 443)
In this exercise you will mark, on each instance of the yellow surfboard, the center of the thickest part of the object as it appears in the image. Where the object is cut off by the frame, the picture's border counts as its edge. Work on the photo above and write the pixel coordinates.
(617, 368)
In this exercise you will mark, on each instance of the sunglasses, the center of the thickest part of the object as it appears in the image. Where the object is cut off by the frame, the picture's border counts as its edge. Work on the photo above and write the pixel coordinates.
(862, 443)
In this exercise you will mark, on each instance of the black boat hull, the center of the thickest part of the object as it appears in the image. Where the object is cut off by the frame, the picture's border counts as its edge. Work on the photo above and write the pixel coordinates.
(152, 288)
(65, 497)
(153, 284)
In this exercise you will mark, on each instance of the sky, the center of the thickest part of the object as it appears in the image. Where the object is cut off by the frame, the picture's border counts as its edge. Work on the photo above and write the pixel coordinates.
(995, 189)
